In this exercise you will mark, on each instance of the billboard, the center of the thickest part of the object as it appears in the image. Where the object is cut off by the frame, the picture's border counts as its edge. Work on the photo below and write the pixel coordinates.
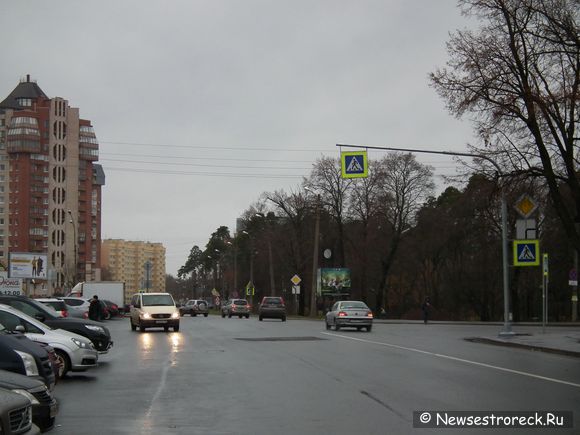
(335, 280)
(27, 265)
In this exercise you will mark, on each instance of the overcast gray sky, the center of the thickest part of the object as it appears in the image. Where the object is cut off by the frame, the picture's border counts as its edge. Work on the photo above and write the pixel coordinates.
(200, 106)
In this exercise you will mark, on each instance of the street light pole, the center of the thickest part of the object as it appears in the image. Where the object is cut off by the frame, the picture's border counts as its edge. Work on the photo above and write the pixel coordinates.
(507, 327)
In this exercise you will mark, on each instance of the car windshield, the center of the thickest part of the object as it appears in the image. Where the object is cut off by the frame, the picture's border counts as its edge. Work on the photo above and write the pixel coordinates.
(272, 301)
(241, 302)
(157, 300)
(353, 305)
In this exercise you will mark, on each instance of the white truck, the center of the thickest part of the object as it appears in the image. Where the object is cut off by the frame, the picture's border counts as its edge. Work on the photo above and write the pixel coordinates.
(113, 291)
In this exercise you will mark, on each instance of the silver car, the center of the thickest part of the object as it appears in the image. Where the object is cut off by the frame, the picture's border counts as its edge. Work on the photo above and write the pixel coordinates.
(73, 352)
(77, 307)
(351, 314)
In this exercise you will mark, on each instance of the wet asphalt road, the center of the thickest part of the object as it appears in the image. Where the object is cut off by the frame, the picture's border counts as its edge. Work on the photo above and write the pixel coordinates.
(239, 376)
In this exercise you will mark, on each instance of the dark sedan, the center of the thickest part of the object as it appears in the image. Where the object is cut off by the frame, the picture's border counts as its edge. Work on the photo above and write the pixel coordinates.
(44, 405)
(94, 331)
(351, 314)
(272, 307)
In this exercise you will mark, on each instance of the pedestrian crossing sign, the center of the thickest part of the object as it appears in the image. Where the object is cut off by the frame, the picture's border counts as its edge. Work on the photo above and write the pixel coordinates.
(354, 164)
(250, 289)
(526, 252)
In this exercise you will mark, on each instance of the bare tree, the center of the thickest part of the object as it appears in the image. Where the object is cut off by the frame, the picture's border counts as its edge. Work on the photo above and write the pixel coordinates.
(406, 185)
(519, 76)
(326, 179)
(363, 206)
(294, 208)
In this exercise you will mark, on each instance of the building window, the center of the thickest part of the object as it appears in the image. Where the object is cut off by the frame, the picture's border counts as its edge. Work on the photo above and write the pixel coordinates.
(25, 102)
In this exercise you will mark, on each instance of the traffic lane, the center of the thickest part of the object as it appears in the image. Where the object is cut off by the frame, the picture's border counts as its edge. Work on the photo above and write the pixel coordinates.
(411, 381)
(450, 340)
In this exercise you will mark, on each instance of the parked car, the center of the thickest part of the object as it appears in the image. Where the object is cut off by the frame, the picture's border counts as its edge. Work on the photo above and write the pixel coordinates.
(150, 310)
(353, 314)
(194, 307)
(54, 362)
(111, 309)
(44, 405)
(74, 352)
(16, 414)
(58, 304)
(94, 331)
(272, 307)
(21, 355)
(77, 307)
(236, 307)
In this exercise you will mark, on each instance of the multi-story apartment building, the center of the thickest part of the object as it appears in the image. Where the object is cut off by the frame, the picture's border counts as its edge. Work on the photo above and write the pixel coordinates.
(50, 186)
(141, 265)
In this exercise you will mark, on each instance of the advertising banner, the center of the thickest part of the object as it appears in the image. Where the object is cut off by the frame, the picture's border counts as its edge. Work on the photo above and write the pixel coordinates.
(10, 286)
(27, 265)
(335, 280)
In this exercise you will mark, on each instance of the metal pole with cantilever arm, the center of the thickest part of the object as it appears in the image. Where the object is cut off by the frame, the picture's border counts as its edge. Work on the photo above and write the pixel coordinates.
(507, 327)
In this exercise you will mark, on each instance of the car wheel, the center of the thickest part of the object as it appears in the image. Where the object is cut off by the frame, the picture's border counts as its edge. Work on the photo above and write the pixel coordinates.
(260, 318)
(205, 315)
(193, 315)
(369, 328)
(176, 328)
(133, 327)
(108, 315)
(327, 325)
(141, 328)
(284, 319)
(358, 328)
(229, 316)
(63, 361)
(336, 327)
(240, 316)
(223, 316)
(166, 328)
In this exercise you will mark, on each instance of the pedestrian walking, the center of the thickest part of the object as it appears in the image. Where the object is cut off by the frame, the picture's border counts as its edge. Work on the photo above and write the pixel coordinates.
(426, 307)
(95, 309)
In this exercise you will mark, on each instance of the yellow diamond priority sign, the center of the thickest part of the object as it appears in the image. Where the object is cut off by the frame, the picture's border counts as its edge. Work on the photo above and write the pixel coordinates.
(296, 280)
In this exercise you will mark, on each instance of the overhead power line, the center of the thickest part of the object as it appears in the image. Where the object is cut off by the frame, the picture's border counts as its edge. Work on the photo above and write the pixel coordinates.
(203, 147)
(203, 165)
(204, 174)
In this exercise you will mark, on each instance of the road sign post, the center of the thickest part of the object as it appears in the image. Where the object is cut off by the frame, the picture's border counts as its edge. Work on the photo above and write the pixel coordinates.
(544, 292)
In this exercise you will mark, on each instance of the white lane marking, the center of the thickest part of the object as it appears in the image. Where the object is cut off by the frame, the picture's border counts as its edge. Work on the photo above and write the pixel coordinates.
(453, 358)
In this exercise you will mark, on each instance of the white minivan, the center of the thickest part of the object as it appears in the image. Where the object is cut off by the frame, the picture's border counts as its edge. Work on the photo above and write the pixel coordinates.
(153, 310)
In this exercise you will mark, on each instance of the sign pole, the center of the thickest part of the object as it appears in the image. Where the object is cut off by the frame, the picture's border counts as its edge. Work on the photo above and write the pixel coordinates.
(544, 293)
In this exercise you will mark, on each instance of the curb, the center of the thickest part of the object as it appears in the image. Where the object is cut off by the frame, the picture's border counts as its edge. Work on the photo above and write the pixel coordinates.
(530, 347)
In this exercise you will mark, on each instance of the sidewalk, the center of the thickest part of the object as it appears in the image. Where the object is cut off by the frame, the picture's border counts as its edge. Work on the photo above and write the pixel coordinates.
(563, 341)
(558, 338)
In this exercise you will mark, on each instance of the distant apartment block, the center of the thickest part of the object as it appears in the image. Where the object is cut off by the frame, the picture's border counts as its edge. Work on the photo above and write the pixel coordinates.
(50, 186)
(141, 265)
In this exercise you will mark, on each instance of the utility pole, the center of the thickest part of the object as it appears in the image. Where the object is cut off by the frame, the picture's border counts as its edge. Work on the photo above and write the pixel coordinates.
(313, 308)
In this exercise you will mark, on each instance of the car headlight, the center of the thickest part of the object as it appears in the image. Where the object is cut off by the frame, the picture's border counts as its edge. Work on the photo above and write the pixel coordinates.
(146, 316)
(28, 396)
(29, 363)
(175, 315)
(95, 328)
(80, 343)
